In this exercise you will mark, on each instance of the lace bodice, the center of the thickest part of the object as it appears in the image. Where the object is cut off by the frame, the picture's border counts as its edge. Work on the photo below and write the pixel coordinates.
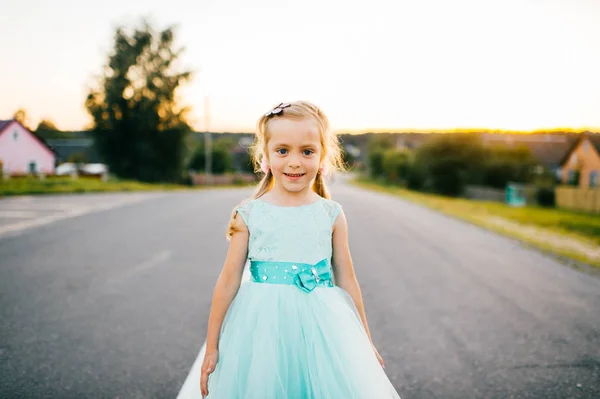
(289, 234)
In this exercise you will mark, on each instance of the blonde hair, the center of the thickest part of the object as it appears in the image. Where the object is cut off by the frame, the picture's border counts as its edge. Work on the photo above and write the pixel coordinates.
(331, 154)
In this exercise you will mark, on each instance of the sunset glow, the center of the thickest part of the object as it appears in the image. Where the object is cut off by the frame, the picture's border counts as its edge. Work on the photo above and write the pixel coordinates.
(372, 66)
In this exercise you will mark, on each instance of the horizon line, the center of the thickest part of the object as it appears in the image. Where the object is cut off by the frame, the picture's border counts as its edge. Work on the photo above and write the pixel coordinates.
(580, 129)
(594, 130)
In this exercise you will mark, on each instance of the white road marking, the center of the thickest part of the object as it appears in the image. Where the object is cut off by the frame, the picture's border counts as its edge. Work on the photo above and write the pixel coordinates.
(17, 214)
(21, 198)
(73, 211)
(191, 386)
(27, 224)
(15, 205)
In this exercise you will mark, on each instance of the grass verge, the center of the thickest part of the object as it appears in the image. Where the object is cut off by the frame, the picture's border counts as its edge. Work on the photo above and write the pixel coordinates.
(56, 185)
(568, 234)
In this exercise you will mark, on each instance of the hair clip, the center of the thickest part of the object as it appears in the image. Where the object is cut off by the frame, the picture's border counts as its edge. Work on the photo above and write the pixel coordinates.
(278, 109)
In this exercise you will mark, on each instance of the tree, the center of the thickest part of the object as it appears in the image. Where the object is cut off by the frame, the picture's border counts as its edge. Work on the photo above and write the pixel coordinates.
(375, 159)
(22, 117)
(505, 164)
(448, 162)
(222, 161)
(138, 128)
(46, 129)
(376, 148)
(396, 165)
(46, 125)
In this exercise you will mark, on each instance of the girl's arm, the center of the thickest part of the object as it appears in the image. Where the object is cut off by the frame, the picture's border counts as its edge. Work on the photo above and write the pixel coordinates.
(228, 282)
(343, 269)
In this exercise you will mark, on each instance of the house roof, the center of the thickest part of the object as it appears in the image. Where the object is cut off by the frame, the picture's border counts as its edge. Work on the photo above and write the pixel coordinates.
(594, 138)
(549, 154)
(548, 149)
(5, 123)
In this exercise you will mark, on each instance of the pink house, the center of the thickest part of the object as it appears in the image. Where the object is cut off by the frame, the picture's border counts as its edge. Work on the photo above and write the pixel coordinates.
(22, 152)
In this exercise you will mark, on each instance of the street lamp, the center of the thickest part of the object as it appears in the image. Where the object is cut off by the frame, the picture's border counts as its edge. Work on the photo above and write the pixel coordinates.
(207, 141)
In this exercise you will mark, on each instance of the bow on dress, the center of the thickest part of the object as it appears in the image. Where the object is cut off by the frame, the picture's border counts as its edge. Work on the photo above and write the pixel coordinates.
(308, 280)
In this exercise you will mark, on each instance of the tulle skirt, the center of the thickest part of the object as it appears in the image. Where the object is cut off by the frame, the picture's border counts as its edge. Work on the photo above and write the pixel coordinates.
(278, 342)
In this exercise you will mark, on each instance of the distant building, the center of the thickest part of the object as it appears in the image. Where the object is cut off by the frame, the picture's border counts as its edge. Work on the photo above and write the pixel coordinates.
(581, 164)
(411, 141)
(79, 149)
(547, 149)
(23, 152)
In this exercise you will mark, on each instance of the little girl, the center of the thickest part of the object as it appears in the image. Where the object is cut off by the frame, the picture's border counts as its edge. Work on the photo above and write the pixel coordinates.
(298, 329)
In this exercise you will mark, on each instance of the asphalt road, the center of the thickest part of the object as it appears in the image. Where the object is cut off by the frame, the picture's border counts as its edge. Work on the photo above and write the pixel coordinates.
(107, 296)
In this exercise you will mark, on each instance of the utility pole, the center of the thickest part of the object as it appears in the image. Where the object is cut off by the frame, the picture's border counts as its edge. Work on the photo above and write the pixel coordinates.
(207, 141)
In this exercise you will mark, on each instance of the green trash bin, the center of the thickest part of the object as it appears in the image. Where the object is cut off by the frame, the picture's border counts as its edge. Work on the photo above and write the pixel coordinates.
(515, 194)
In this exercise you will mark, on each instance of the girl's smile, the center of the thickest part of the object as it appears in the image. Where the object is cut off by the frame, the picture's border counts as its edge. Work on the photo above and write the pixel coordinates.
(294, 176)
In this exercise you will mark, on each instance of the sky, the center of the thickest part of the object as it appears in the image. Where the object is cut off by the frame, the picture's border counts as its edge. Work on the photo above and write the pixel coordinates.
(394, 65)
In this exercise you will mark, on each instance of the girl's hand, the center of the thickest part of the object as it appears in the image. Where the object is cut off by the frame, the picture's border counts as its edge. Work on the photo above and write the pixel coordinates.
(378, 357)
(208, 366)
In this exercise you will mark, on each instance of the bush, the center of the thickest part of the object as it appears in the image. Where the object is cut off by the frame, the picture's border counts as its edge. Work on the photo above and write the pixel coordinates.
(447, 177)
(376, 163)
(449, 162)
(507, 164)
(446, 163)
(222, 160)
(545, 196)
(396, 165)
(497, 174)
(416, 178)
(377, 146)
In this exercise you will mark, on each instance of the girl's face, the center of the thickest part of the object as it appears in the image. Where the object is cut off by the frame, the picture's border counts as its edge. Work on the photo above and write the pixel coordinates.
(294, 153)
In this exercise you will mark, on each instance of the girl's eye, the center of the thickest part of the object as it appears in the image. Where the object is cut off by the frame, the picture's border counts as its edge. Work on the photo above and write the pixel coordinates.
(283, 151)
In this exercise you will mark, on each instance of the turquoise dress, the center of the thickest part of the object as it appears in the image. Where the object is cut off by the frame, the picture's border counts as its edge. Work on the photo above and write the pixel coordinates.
(290, 332)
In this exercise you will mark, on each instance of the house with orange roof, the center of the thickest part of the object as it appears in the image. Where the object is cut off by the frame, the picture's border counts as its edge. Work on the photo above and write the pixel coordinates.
(581, 164)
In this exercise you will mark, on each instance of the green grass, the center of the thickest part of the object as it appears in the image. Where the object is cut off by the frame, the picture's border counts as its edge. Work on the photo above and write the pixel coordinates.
(549, 225)
(60, 185)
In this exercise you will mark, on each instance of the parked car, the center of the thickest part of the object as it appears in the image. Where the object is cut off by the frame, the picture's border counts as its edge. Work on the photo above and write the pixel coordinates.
(66, 169)
(89, 169)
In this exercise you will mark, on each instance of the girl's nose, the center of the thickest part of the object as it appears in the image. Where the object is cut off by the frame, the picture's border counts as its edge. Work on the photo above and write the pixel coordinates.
(294, 162)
